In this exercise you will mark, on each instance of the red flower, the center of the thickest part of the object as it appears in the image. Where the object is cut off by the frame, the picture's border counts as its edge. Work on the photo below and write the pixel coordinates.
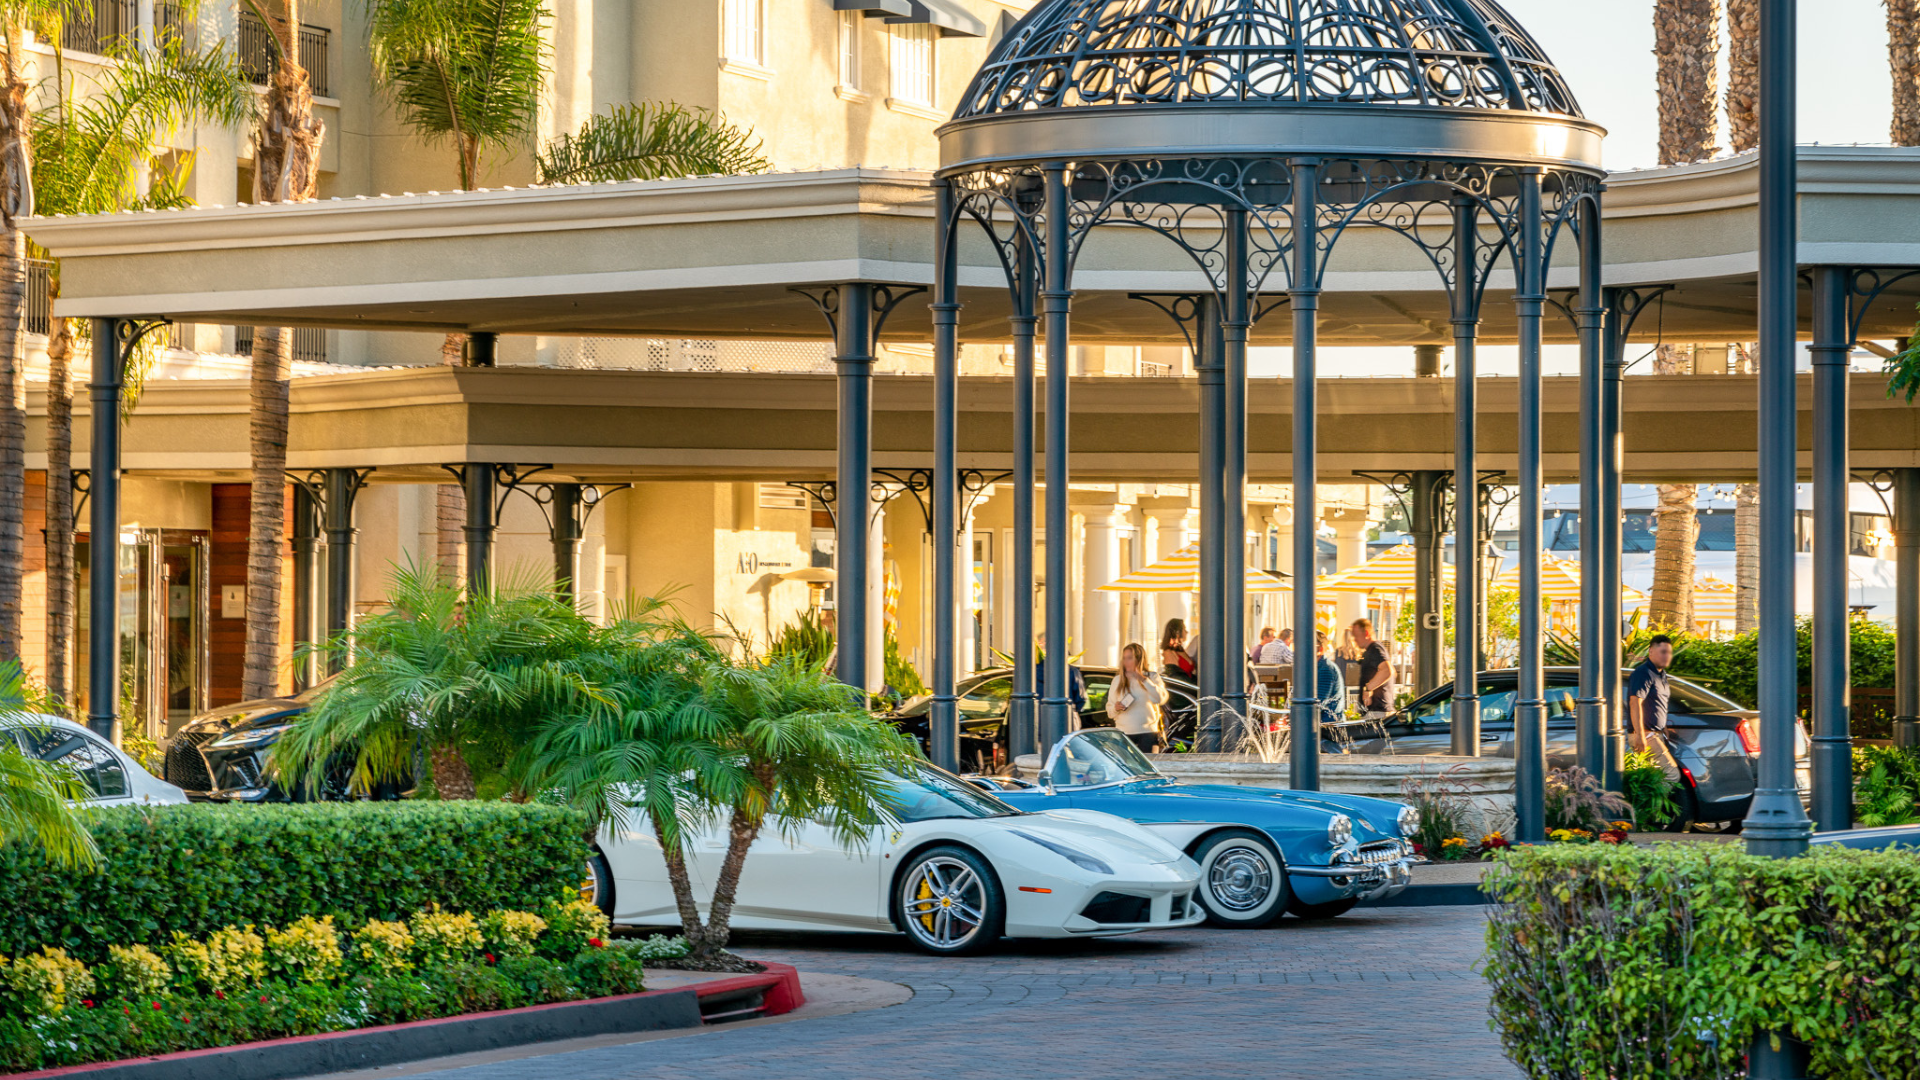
(156, 1006)
(596, 943)
(263, 999)
(124, 1011)
(88, 1002)
(221, 994)
(489, 957)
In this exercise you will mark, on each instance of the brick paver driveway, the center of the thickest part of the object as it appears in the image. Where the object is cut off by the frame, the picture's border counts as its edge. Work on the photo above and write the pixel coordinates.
(1387, 995)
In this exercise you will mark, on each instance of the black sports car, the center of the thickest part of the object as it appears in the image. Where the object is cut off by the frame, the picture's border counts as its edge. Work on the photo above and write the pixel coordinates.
(983, 701)
(221, 755)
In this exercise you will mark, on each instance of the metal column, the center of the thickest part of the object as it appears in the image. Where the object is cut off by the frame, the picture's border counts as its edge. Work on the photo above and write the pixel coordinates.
(1466, 484)
(853, 363)
(103, 508)
(1023, 710)
(1429, 627)
(1056, 710)
(944, 725)
(1832, 751)
(1304, 301)
(1236, 320)
(482, 522)
(305, 540)
(341, 488)
(1209, 364)
(483, 347)
(1777, 825)
(1906, 642)
(1590, 318)
(565, 529)
(1530, 707)
(1613, 743)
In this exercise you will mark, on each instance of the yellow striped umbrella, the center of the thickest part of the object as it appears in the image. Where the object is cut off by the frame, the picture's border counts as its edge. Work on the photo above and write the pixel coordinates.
(1389, 571)
(1714, 600)
(1560, 582)
(1180, 572)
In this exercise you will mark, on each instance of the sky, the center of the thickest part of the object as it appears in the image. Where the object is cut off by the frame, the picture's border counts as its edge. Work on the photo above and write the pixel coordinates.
(1605, 50)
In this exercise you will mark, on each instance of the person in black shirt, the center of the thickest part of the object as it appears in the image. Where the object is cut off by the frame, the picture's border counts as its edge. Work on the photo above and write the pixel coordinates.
(1647, 697)
(1376, 670)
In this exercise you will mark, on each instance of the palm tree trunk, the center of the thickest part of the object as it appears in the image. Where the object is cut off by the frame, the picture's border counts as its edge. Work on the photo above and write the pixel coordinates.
(452, 776)
(1743, 73)
(1677, 526)
(742, 830)
(1746, 558)
(60, 525)
(267, 424)
(1686, 43)
(286, 153)
(451, 517)
(1903, 57)
(689, 905)
(13, 438)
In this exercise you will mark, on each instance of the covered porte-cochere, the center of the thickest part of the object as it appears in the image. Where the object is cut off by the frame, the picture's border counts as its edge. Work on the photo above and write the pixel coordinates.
(1274, 174)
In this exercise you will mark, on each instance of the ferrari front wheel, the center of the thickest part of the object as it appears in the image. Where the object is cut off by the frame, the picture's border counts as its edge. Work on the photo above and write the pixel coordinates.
(950, 903)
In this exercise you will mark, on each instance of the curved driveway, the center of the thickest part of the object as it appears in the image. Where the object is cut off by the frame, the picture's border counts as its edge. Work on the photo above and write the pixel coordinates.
(1393, 994)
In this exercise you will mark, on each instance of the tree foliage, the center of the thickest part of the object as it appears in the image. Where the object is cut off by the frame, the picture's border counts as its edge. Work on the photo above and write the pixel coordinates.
(650, 141)
(35, 797)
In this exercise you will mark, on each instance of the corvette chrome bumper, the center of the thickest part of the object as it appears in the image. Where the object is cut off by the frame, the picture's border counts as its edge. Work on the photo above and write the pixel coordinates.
(1373, 872)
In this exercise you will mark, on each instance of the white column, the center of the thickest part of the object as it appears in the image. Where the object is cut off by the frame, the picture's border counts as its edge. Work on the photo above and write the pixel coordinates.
(964, 610)
(1349, 549)
(876, 613)
(1176, 523)
(1100, 611)
(1280, 606)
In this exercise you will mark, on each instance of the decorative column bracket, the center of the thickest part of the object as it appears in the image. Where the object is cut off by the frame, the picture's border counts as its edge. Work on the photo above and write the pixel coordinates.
(885, 299)
(591, 496)
(81, 483)
(507, 479)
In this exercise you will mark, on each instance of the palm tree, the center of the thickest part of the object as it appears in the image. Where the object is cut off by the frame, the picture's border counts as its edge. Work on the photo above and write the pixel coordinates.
(1686, 37)
(1903, 57)
(445, 672)
(1743, 132)
(17, 18)
(36, 798)
(650, 141)
(693, 735)
(286, 168)
(86, 158)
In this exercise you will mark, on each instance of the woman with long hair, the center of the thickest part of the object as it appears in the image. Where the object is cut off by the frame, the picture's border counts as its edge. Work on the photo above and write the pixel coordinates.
(1134, 700)
(1175, 662)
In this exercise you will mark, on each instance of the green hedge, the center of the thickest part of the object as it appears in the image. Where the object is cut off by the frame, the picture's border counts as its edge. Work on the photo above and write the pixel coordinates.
(195, 869)
(1731, 667)
(1663, 962)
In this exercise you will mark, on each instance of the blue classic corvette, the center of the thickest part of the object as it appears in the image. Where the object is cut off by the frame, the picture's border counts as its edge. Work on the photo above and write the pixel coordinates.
(1262, 851)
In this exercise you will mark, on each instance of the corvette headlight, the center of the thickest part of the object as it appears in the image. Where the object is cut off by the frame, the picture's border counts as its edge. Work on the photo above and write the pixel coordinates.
(1078, 858)
(1339, 830)
(250, 737)
(1409, 821)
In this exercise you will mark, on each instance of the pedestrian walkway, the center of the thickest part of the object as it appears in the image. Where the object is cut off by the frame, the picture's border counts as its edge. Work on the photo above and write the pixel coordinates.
(1376, 995)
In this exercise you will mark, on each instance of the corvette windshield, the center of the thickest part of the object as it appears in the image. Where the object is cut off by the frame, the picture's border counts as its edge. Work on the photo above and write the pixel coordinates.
(1098, 757)
(928, 794)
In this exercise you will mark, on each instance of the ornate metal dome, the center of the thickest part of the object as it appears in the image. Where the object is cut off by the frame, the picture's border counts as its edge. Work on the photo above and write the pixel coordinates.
(1423, 78)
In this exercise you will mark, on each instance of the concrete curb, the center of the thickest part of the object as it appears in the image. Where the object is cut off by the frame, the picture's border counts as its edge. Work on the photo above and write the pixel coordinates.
(1452, 894)
(775, 992)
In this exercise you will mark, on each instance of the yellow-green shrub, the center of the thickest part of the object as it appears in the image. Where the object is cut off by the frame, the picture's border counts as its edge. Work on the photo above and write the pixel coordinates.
(308, 950)
(48, 981)
(572, 924)
(511, 933)
(384, 947)
(133, 971)
(441, 936)
(232, 958)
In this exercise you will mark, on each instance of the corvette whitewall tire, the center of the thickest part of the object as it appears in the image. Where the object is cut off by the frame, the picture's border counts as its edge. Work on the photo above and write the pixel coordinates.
(1243, 880)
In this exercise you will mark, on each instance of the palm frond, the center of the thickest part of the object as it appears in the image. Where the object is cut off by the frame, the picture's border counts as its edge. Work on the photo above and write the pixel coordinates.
(36, 799)
(472, 70)
(651, 141)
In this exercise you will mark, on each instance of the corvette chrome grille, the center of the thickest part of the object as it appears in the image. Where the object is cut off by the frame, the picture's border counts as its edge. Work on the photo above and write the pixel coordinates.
(1379, 853)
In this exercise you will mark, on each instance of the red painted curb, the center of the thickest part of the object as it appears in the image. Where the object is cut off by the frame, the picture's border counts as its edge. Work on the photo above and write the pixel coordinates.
(781, 980)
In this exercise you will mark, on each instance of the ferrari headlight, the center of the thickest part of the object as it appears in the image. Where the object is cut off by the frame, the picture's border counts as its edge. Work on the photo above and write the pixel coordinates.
(1339, 830)
(1409, 821)
(1078, 858)
(249, 737)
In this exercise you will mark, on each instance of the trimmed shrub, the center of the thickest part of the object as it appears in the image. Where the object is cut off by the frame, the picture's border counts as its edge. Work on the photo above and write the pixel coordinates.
(1664, 962)
(195, 869)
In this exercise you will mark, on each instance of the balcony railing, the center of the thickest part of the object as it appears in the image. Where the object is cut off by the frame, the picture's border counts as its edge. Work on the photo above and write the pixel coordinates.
(39, 314)
(309, 342)
(109, 26)
(257, 51)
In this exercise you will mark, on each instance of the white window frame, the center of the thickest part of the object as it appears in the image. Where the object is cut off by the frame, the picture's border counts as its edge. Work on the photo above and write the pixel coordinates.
(743, 30)
(912, 83)
(851, 53)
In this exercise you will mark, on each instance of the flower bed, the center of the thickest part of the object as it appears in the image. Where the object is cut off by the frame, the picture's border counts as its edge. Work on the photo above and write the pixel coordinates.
(240, 984)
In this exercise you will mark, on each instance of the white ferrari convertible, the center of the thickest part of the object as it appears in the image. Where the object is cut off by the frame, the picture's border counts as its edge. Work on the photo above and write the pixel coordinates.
(953, 867)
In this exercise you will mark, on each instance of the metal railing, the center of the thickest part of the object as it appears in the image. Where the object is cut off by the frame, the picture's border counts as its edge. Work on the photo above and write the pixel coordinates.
(105, 27)
(39, 314)
(309, 343)
(257, 51)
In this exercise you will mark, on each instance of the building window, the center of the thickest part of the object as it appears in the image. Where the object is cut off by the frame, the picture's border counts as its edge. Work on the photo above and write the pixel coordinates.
(912, 64)
(746, 31)
(850, 50)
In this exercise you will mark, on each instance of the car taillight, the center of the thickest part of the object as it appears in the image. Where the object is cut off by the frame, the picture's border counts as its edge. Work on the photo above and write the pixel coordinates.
(1749, 736)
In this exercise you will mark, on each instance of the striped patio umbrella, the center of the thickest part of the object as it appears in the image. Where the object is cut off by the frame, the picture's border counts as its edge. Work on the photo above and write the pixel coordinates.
(1180, 572)
(1388, 572)
(1713, 600)
(1560, 582)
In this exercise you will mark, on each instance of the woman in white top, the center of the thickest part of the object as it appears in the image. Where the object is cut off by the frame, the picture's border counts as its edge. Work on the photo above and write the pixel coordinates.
(1134, 700)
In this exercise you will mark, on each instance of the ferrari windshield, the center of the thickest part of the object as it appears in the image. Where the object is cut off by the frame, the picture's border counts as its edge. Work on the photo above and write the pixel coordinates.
(1103, 756)
(928, 793)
